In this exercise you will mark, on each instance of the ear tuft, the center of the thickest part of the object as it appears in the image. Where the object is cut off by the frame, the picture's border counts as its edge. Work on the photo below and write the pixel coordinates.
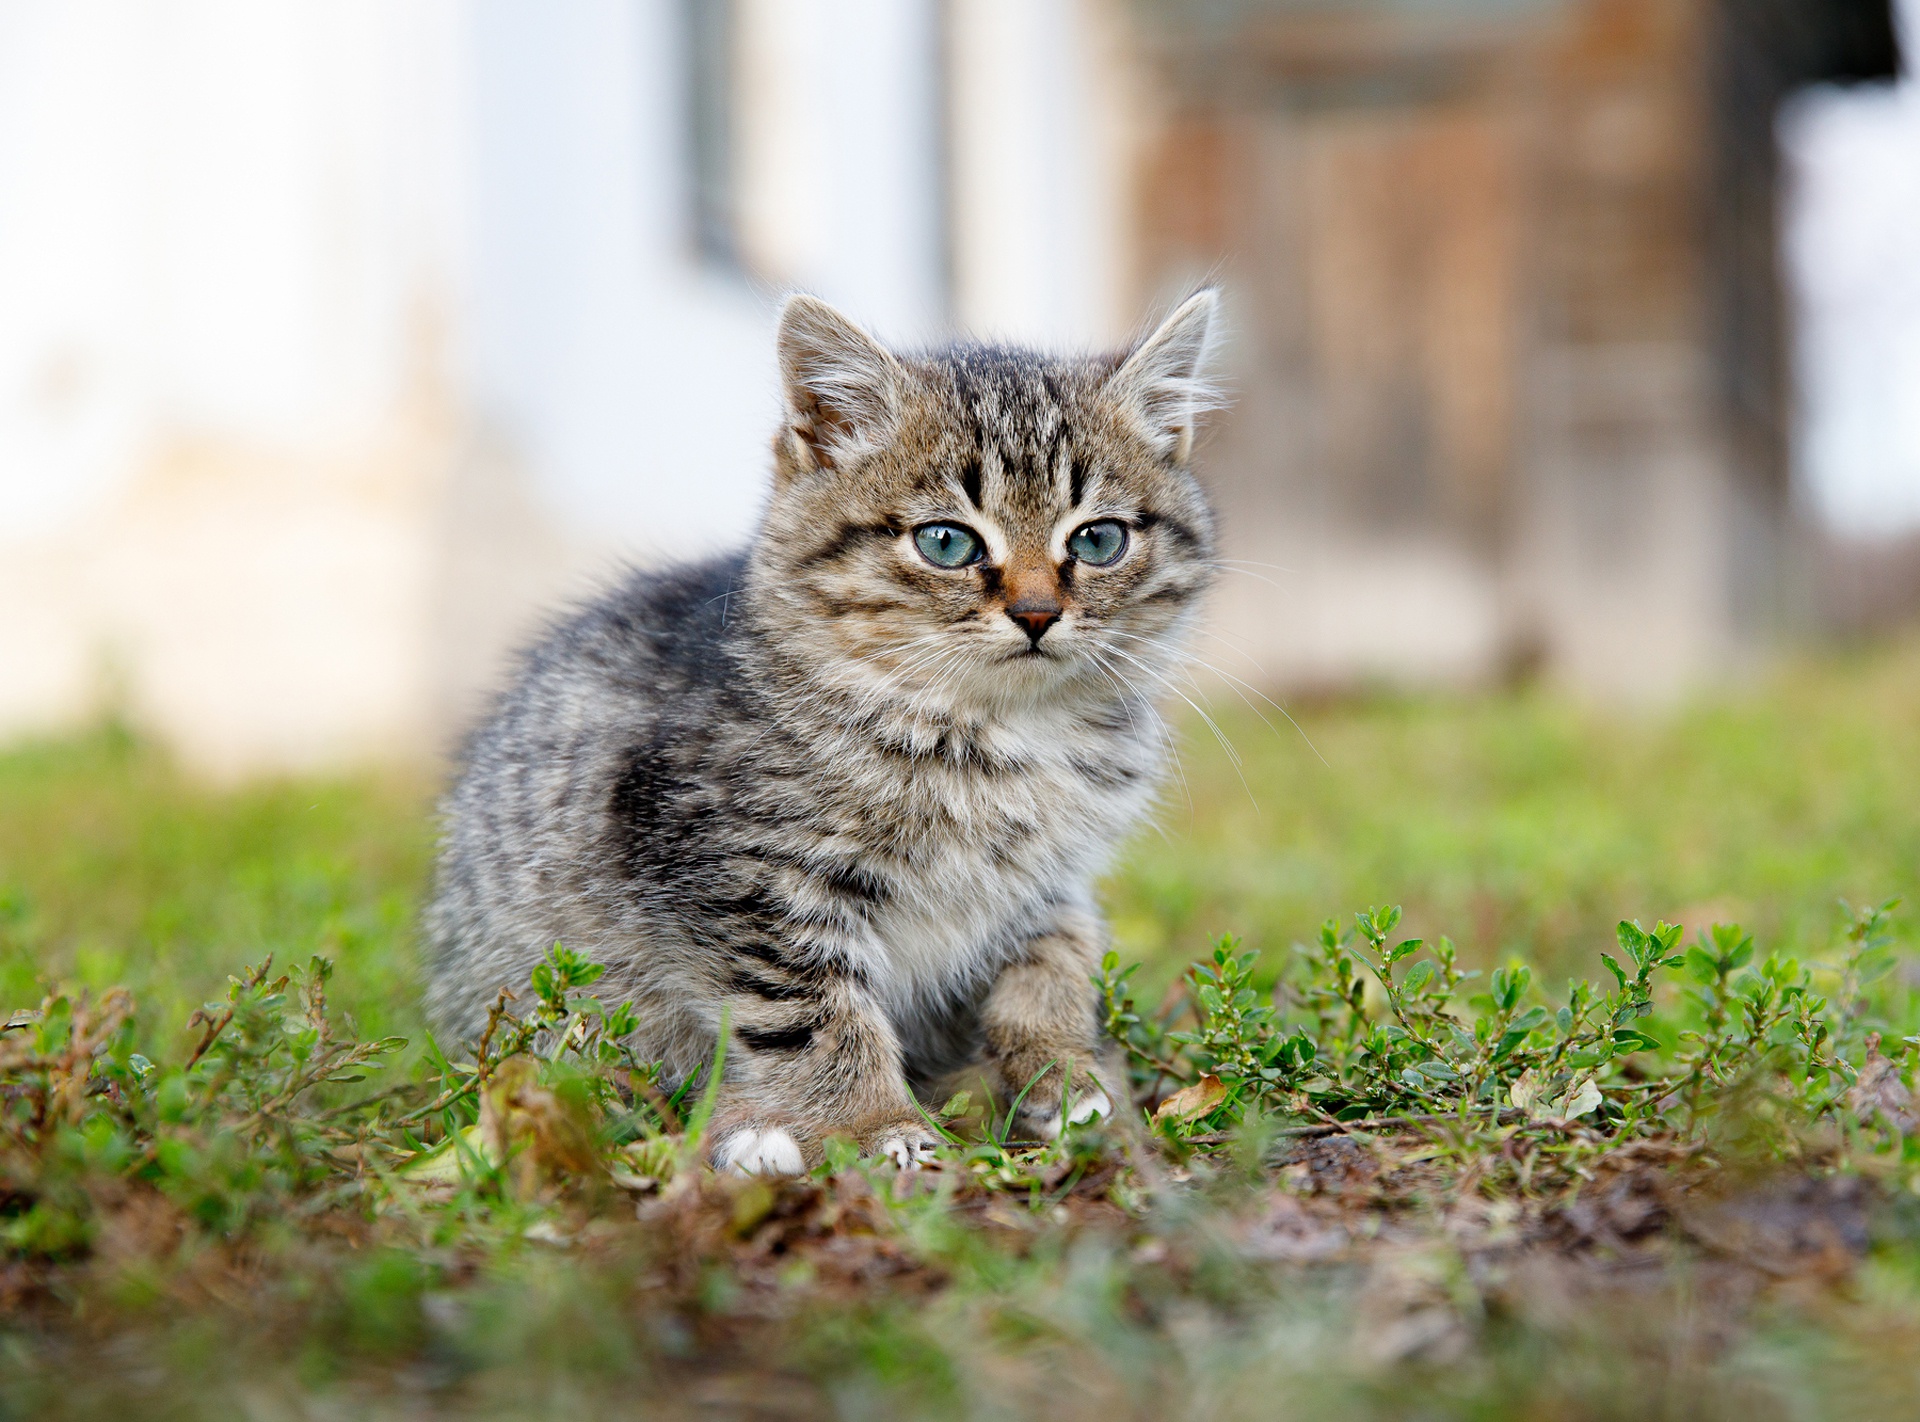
(1160, 385)
(842, 387)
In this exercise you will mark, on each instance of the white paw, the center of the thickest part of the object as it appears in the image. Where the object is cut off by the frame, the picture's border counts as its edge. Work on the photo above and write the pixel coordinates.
(759, 1151)
(909, 1152)
(1086, 1108)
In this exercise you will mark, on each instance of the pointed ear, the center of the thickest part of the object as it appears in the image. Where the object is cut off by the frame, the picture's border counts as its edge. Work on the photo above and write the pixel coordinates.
(1160, 384)
(842, 387)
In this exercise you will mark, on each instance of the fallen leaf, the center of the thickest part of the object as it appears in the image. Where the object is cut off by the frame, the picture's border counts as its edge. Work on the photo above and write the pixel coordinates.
(442, 1164)
(1879, 1091)
(545, 1140)
(1525, 1091)
(1191, 1102)
(1578, 1101)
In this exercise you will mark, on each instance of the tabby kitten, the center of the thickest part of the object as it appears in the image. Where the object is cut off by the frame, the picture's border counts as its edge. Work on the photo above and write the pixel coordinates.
(847, 791)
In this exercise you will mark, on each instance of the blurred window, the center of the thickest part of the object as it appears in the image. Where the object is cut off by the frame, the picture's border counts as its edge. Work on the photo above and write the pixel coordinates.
(708, 27)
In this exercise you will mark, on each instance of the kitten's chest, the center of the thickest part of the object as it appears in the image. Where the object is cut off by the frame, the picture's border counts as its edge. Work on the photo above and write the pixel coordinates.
(980, 855)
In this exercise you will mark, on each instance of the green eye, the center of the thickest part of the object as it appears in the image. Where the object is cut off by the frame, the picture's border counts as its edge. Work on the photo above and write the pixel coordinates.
(1098, 543)
(947, 545)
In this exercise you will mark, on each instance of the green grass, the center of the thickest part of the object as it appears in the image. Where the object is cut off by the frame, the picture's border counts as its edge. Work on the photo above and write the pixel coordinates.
(1518, 824)
(1527, 825)
(266, 1261)
(117, 869)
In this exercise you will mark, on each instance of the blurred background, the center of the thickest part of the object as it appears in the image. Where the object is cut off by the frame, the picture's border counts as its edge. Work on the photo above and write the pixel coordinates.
(340, 338)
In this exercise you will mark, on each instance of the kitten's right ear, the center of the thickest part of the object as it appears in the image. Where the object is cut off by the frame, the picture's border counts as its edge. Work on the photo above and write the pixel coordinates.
(842, 387)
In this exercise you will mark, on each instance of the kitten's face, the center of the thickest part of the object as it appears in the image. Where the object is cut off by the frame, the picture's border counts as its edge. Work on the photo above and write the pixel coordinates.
(985, 527)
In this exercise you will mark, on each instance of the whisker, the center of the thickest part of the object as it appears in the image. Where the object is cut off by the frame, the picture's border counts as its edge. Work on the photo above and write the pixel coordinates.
(1251, 563)
(1164, 731)
(1233, 755)
(895, 648)
(1161, 677)
(1247, 573)
(1235, 684)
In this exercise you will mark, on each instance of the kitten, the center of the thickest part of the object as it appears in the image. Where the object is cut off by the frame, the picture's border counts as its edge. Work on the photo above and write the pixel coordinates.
(848, 790)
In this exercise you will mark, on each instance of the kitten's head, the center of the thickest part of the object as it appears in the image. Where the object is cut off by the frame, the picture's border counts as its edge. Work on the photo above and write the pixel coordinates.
(984, 526)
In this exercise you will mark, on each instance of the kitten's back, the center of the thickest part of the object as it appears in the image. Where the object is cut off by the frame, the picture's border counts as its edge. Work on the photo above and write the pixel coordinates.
(616, 702)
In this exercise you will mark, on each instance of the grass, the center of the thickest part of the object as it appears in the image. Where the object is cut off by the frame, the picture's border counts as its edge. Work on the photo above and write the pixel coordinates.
(1525, 824)
(1728, 1229)
(115, 869)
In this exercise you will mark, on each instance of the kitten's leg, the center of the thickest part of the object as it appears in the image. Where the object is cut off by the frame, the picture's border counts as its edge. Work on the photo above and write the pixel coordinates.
(1039, 1018)
(802, 1069)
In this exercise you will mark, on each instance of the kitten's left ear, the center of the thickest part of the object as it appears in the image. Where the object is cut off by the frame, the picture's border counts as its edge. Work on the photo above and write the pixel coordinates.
(1160, 384)
(842, 387)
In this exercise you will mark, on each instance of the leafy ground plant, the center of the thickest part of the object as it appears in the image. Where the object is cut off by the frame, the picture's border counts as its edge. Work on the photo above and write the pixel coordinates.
(482, 1230)
(1364, 1029)
(1733, 1232)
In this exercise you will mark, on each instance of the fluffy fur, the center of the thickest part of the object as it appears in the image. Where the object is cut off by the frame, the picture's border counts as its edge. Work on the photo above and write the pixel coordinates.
(847, 801)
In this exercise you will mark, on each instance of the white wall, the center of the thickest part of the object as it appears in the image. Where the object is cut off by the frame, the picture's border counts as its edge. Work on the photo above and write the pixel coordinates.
(222, 225)
(212, 215)
(339, 336)
(1853, 256)
(638, 383)
(1044, 115)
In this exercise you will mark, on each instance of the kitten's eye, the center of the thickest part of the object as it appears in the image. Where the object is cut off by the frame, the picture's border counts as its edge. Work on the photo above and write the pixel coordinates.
(1098, 543)
(948, 545)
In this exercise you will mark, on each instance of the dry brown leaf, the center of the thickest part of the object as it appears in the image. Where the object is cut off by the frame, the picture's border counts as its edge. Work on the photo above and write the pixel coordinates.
(1879, 1091)
(1191, 1102)
(546, 1141)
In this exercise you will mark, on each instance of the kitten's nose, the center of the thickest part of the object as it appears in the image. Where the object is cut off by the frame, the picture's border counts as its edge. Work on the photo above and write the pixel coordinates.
(1035, 615)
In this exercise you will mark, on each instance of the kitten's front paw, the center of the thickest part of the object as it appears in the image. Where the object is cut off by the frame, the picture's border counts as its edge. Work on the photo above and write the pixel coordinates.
(1089, 1105)
(759, 1150)
(908, 1145)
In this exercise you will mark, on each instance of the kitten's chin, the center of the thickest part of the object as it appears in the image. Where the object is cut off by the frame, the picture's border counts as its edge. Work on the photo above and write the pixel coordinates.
(1026, 677)
(984, 678)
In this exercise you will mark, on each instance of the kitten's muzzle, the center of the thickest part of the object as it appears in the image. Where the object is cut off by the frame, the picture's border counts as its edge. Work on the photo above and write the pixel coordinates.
(1034, 616)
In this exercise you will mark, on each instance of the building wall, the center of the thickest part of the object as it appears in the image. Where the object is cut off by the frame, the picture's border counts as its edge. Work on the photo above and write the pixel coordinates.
(223, 228)
(1633, 542)
(1476, 423)
(340, 339)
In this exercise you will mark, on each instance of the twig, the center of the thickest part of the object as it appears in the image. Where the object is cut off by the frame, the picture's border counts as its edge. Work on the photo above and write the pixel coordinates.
(215, 1026)
(1341, 1128)
(494, 1016)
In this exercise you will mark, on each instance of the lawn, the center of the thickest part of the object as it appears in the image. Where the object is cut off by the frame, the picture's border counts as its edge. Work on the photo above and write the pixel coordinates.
(1758, 1260)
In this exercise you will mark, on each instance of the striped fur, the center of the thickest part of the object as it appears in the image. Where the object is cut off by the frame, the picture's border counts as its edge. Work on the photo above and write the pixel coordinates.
(832, 794)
